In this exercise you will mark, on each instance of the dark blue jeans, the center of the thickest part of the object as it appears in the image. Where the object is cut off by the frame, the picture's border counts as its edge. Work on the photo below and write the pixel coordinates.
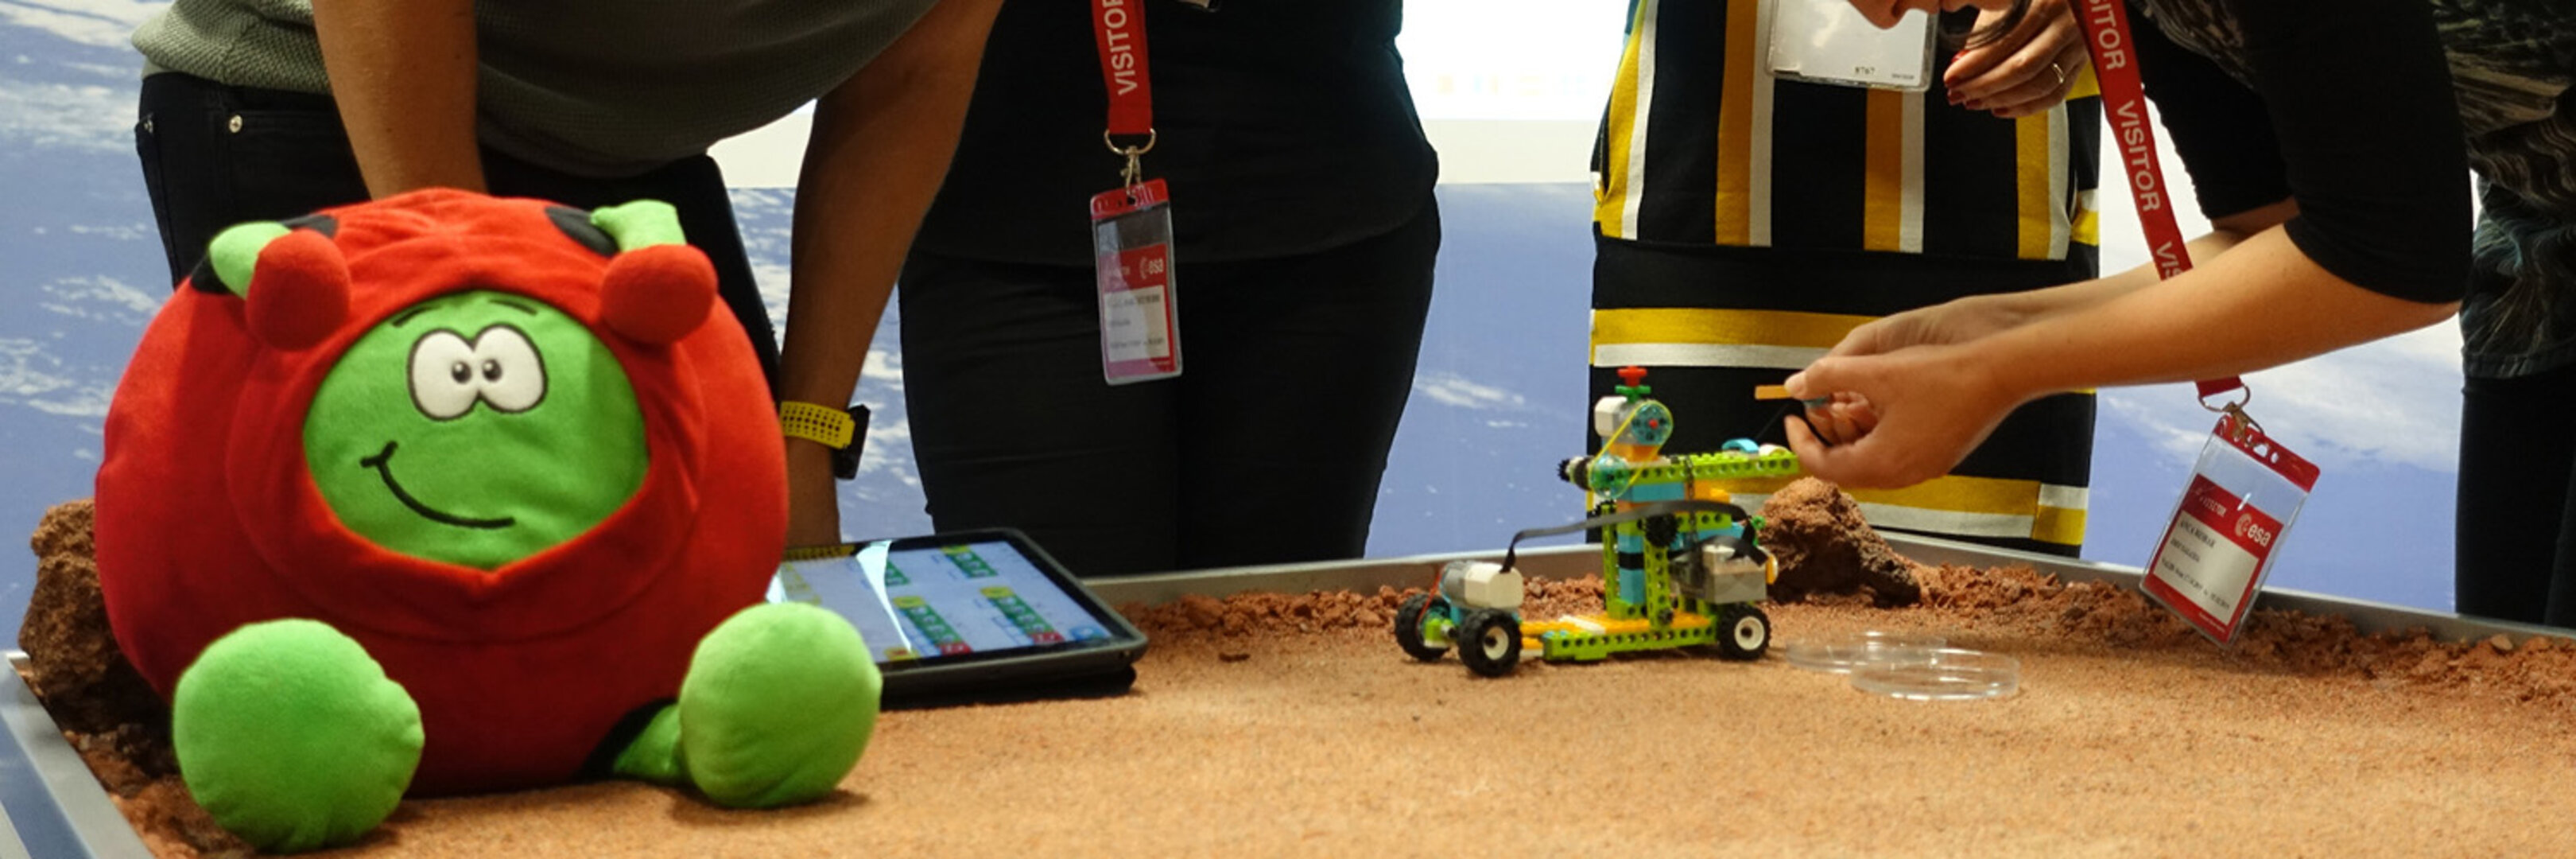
(215, 155)
(1267, 449)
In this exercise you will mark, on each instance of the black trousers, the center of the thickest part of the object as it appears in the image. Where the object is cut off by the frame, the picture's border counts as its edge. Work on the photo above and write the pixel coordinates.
(215, 155)
(1267, 449)
(2516, 534)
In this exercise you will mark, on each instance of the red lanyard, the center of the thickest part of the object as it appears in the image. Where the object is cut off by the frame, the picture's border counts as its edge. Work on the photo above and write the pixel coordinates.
(2124, 103)
(1118, 26)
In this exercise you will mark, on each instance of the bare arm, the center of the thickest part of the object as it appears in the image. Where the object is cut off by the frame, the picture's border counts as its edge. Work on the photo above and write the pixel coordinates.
(1978, 316)
(880, 146)
(2261, 304)
(403, 74)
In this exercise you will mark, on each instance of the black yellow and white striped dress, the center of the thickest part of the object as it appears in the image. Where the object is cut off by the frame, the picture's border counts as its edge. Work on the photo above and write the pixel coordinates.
(1745, 224)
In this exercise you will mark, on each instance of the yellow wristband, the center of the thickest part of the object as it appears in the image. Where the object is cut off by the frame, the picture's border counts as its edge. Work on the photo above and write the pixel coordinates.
(817, 553)
(829, 426)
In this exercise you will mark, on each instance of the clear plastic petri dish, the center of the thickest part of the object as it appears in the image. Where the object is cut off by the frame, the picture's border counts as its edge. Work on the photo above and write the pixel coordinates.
(1941, 674)
(1840, 653)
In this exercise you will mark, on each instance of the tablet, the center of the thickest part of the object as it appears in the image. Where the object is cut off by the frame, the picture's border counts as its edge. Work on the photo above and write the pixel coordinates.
(970, 616)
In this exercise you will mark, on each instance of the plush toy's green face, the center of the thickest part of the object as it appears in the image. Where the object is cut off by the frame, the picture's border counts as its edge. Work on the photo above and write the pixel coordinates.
(476, 428)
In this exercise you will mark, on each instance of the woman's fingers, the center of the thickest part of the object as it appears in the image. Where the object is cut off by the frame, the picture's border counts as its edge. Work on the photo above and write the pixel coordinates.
(2037, 96)
(2029, 68)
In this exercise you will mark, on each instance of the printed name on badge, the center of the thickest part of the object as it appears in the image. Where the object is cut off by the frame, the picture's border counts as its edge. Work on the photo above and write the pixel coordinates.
(1135, 325)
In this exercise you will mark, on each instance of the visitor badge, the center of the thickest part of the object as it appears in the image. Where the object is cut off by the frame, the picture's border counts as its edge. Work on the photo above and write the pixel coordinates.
(1830, 42)
(1131, 246)
(2243, 497)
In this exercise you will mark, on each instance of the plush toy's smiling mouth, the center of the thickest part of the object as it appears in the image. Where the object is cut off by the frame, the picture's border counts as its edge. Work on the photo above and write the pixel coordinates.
(382, 462)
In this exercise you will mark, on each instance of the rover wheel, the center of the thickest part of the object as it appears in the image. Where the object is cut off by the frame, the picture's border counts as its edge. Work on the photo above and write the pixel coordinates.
(1409, 633)
(1489, 641)
(1743, 632)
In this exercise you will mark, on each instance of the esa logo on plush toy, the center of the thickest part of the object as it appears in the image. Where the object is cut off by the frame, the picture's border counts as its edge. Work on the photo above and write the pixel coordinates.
(447, 493)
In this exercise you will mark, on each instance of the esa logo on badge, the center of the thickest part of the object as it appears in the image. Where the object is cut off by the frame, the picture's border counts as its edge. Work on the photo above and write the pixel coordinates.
(2249, 529)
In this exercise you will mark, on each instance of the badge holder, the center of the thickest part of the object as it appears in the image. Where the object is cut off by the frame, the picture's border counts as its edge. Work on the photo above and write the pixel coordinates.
(1131, 247)
(1828, 42)
(2244, 496)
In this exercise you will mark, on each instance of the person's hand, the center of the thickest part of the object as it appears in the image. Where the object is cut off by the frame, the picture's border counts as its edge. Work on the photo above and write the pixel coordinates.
(2027, 70)
(1842, 419)
(813, 496)
(1926, 406)
(1944, 324)
(1885, 13)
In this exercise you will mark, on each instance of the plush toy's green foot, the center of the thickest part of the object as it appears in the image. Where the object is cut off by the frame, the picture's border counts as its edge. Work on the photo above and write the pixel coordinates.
(777, 706)
(292, 737)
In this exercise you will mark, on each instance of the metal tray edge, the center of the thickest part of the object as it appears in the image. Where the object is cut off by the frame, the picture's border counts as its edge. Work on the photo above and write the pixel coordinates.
(1368, 574)
(62, 811)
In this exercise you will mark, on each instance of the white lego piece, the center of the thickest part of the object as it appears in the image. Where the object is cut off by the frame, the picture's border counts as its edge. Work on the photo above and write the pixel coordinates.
(1481, 584)
(1605, 415)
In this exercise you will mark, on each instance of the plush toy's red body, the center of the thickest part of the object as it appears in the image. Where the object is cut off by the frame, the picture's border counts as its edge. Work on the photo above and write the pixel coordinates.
(209, 519)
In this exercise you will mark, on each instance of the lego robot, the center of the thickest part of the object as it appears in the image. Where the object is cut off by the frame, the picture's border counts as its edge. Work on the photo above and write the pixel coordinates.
(1680, 565)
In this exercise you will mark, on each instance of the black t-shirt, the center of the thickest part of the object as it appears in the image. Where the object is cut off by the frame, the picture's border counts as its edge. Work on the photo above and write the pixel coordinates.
(2346, 105)
(1283, 127)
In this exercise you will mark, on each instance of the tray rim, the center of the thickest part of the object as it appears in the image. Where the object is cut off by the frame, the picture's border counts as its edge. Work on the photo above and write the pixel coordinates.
(63, 811)
(1368, 574)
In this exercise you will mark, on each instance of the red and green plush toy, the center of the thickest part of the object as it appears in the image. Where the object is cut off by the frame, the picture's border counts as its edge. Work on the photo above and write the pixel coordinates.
(447, 493)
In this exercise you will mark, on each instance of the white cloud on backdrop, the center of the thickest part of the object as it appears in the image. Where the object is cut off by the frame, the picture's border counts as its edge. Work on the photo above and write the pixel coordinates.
(2396, 402)
(92, 116)
(101, 297)
(60, 114)
(1450, 389)
(97, 23)
(33, 376)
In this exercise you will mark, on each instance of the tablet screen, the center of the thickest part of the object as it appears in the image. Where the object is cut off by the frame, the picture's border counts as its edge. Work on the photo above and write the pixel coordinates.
(936, 602)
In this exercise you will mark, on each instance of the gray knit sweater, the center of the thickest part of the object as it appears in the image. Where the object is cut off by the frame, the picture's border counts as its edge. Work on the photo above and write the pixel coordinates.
(591, 87)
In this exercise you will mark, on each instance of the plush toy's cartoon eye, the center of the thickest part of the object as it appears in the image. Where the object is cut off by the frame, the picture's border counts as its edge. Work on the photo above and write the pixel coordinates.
(507, 368)
(443, 384)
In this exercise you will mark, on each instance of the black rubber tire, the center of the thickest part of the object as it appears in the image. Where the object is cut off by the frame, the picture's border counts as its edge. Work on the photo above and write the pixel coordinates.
(1489, 641)
(1408, 629)
(1743, 632)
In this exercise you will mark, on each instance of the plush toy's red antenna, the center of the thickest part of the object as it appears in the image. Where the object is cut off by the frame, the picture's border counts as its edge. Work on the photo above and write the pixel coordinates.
(299, 293)
(658, 294)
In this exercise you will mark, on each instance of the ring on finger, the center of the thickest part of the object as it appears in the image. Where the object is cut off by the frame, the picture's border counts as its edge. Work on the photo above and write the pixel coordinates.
(2061, 72)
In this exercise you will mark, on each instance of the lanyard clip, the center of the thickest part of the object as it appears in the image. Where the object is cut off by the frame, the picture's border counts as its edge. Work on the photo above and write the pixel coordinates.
(2240, 426)
(1134, 173)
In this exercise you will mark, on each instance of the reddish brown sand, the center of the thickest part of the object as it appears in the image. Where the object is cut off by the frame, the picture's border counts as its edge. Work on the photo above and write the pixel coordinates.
(1275, 725)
